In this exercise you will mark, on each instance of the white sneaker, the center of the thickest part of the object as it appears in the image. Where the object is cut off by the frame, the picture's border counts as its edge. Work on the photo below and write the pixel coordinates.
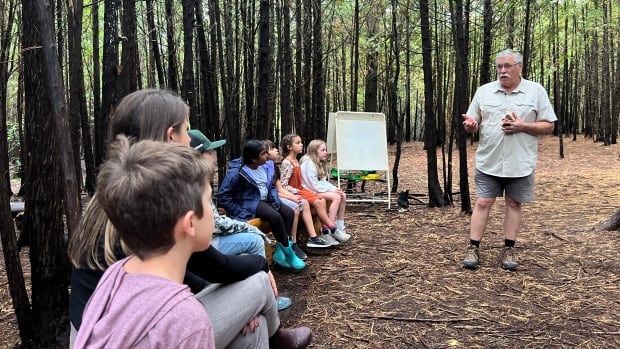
(341, 235)
(329, 238)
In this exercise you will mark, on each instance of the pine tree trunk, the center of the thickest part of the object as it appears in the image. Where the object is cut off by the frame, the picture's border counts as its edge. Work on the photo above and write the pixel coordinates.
(51, 179)
(435, 195)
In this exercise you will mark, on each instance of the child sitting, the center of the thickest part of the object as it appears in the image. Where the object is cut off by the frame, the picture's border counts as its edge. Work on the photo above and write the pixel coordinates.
(314, 177)
(157, 195)
(248, 191)
(299, 203)
(292, 148)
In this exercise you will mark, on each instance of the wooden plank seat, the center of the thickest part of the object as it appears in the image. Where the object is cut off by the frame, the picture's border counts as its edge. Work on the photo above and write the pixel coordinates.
(302, 233)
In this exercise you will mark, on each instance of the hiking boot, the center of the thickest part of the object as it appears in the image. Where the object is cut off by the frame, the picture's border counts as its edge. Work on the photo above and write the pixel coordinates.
(340, 235)
(327, 235)
(471, 257)
(299, 252)
(509, 258)
(318, 242)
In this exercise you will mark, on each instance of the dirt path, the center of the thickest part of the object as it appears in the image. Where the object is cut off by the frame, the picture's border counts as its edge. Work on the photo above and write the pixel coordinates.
(400, 284)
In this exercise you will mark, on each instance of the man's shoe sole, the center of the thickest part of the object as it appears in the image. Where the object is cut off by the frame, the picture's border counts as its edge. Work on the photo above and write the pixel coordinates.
(470, 265)
(510, 266)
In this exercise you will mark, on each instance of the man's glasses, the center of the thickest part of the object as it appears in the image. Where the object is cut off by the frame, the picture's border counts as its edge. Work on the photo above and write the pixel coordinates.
(506, 66)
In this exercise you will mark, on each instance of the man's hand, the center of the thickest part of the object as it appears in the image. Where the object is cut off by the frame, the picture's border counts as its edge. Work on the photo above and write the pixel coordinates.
(470, 124)
(511, 123)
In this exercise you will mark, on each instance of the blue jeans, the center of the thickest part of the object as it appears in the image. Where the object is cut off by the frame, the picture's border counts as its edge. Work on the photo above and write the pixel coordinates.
(239, 243)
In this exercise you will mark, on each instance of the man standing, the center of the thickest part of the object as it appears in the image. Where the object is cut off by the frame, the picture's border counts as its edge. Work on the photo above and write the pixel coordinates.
(511, 113)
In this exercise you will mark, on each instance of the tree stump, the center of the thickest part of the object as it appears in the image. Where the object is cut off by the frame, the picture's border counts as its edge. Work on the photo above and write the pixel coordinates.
(610, 224)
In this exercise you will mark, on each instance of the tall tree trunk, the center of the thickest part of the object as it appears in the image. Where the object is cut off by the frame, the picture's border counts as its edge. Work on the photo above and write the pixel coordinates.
(435, 195)
(6, 17)
(110, 90)
(487, 43)
(355, 55)
(460, 30)
(51, 178)
(100, 124)
(615, 115)
(77, 97)
(128, 73)
(318, 122)
(264, 91)
(298, 92)
(526, 39)
(395, 118)
(370, 95)
(306, 76)
(12, 261)
(209, 121)
(173, 64)
(249, 50)
(286, 72)
(150, 19)
(605, 80)
(188, 84)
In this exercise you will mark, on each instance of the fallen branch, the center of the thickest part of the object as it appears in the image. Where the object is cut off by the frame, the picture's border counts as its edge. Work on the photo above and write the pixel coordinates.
(409, 319)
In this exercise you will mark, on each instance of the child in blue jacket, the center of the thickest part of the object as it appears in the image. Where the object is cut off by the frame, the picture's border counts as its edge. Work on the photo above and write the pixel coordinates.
(248, 191)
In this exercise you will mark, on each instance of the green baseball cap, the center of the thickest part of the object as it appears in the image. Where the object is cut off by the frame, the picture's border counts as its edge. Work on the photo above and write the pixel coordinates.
(201, 143)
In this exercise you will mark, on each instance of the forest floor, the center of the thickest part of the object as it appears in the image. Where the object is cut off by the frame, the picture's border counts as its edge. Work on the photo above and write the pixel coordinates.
(399, 283)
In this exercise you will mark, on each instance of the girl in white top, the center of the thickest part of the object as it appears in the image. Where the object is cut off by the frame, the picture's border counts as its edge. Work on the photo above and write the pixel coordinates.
(314, 177)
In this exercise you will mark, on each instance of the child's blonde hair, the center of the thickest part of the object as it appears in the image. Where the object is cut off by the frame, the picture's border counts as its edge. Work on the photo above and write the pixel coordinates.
(312, 154)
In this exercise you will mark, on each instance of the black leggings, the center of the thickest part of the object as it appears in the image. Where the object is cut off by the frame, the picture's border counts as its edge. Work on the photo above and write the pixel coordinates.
(281, 221)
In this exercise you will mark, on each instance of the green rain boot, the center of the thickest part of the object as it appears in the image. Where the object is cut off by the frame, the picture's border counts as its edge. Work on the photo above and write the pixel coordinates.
(292, 259)
(279, 257)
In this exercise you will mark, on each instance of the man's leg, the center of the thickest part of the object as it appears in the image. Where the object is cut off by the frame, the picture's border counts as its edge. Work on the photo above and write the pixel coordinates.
(478, 224)
(480, 217)
(241, 243)
(231, 307)
(512, 221)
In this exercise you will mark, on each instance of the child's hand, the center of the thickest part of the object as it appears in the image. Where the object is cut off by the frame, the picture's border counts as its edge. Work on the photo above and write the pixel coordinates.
(251, 326)
(272, 281)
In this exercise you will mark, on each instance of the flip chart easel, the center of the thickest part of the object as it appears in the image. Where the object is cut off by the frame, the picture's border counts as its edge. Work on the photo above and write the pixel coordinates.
(360, 142)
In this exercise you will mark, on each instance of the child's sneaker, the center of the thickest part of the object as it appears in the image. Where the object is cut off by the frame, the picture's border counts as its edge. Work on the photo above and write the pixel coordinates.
(318, 242)
(327, 235)
(340, 235)
(299, 252)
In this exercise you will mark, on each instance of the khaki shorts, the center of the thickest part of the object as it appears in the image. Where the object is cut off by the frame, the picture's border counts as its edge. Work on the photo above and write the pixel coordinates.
(520, 189)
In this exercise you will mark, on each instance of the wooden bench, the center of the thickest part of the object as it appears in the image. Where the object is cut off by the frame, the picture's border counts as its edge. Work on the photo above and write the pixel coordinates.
(302, 232)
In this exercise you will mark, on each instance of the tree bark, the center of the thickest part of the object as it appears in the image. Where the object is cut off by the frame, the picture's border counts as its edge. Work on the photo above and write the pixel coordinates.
(7, 18)
(80, 127)
(460, 30)
(110, 71)
(435, 195)
(188, 84)
(370, 95)
(318, 124)
(264, 90)
(173, 64)
(128, 72)
(286, 72)
(99, 122)
(51, 178)
(159, 67)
